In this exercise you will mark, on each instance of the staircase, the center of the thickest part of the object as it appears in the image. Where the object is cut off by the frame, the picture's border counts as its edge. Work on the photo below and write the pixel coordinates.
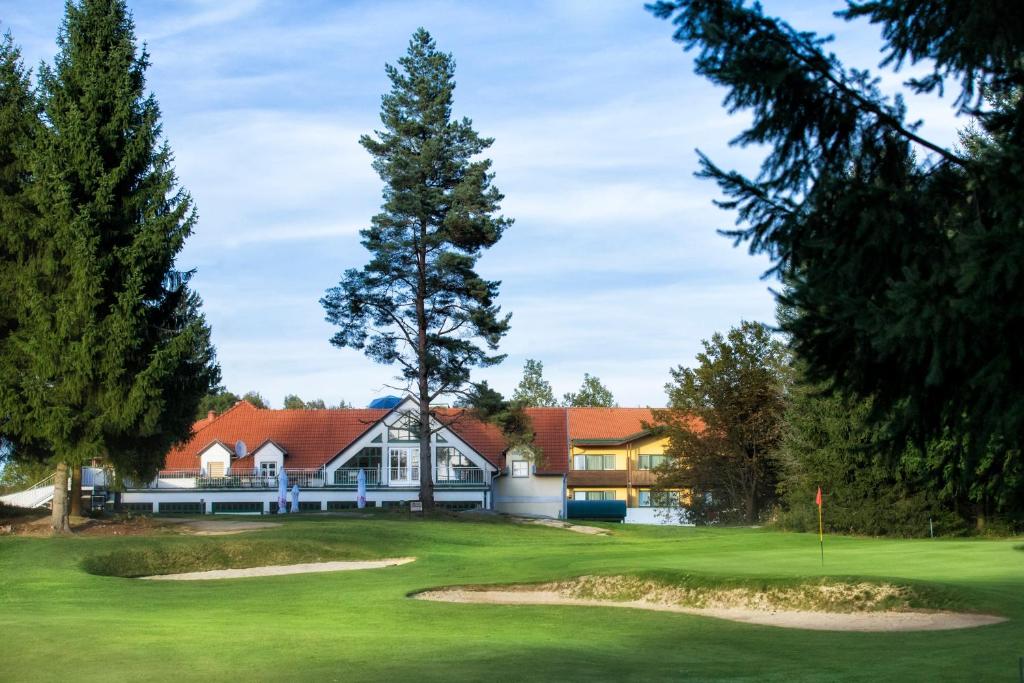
(35, 496)
(40, 494)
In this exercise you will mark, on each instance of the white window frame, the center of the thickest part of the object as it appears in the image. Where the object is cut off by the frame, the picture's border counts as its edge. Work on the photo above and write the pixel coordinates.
(520, 468)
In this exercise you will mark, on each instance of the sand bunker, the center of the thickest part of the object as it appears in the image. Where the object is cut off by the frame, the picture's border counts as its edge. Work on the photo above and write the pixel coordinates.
(820, 607)
(281, 570)
(217, 527)
(559, 524)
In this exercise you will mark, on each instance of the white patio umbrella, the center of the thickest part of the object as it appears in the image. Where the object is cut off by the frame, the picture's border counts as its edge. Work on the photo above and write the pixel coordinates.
(282, 492)
(295, 497)
(361, 489)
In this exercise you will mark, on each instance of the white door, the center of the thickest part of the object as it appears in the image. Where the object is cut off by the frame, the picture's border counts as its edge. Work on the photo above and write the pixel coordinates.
(405, 466)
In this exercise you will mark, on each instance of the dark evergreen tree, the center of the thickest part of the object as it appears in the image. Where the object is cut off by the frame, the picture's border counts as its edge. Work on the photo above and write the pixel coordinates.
(592, 394)
(19, 128)
(533, 390)
(419, 302)
(902, 257)
(829, 441)
(724, 421)
(110, 355)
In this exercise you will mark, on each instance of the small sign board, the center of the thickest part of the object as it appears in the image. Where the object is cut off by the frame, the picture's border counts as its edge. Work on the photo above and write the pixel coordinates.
(415, 506)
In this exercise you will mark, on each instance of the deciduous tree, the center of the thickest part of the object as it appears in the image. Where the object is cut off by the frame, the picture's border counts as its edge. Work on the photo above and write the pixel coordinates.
(419, 302)
(533, 390)
(724, 421)
(217, 401)
(592, 394)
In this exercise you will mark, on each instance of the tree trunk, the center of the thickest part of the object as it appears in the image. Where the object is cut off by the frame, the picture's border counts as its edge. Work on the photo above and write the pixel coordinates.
(426, 468)
(59, 516)
(75, 505)
(423, 378)
(751, 505)
(980, 518)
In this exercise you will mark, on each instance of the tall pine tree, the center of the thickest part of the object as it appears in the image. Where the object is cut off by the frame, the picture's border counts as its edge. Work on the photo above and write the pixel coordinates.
(110, 354)
(419, 302)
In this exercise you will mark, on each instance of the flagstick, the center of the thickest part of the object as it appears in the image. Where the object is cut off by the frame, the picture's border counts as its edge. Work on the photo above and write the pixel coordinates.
(821, 531)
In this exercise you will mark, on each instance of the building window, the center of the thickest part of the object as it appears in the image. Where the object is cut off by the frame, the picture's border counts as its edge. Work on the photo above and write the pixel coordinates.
(520, 468)
(593, 462)
(368, 458)
(647, 498)
(649, 462)
(268, 469)
(405, 464)
(593, 495)
(448, 457)
(405, 428)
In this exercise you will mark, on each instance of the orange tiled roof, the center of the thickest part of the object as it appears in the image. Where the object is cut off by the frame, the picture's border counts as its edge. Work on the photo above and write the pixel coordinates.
(313, 437)
(607, 423)
(550, 427)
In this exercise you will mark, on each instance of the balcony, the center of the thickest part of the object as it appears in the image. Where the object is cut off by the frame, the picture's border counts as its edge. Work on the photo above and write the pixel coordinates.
(456, 477)
(583, 478)
(348, 477)
(345, 478)
(234, 479)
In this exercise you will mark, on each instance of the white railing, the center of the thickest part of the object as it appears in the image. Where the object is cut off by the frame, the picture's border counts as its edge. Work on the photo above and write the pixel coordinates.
(232, 479)
(458, 476)
(405, 474)
(308, 478)
(349, 476)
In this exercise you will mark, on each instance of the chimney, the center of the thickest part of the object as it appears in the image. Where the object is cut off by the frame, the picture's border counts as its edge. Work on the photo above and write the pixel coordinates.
(210, 415)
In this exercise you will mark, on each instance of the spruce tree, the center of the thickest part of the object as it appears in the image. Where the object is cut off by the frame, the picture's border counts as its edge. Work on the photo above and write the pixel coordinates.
(19, 124)
(533, 390)
(419, 302)
(110, 355)
(902, 257)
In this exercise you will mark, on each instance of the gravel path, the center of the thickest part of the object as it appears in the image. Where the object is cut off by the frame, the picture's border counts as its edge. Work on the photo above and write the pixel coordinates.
(816, 621)
(280, 570)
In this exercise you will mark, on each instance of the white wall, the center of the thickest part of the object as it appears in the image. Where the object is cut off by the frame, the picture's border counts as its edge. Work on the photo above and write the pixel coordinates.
(215, 453)
(664, 516)
(532, 496)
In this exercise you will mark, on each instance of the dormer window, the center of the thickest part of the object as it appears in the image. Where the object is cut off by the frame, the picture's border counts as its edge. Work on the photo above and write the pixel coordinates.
(268, 469)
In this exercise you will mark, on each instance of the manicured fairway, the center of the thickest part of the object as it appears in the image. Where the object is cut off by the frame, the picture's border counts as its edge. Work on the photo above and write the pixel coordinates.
(59, 622)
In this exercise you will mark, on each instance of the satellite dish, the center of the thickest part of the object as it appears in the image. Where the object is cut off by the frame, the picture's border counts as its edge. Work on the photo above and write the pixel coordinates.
(240, 450)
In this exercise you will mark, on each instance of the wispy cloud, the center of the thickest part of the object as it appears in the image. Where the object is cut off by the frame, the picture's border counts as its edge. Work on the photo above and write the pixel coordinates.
(613, 265)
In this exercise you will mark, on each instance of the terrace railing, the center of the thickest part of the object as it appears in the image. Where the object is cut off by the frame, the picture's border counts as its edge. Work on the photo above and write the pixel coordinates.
(458, 476)
(349, 477)
(233, 479)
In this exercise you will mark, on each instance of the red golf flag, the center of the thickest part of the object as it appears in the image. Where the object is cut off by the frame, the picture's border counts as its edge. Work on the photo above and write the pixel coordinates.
(817, 498)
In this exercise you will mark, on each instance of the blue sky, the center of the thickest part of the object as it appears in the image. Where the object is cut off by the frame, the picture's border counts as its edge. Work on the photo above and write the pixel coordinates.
(613, 266)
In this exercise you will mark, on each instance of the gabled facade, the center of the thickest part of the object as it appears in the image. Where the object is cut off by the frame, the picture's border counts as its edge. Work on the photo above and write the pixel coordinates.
(323, 452)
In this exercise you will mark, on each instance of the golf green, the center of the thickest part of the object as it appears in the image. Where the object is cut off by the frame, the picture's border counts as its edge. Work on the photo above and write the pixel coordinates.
(58, 621)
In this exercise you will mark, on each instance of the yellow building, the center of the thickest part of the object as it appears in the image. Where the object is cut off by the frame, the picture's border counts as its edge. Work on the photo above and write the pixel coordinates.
(611, 454)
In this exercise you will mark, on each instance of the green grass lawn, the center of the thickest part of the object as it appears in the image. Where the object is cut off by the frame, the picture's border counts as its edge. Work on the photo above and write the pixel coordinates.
(59, 622)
